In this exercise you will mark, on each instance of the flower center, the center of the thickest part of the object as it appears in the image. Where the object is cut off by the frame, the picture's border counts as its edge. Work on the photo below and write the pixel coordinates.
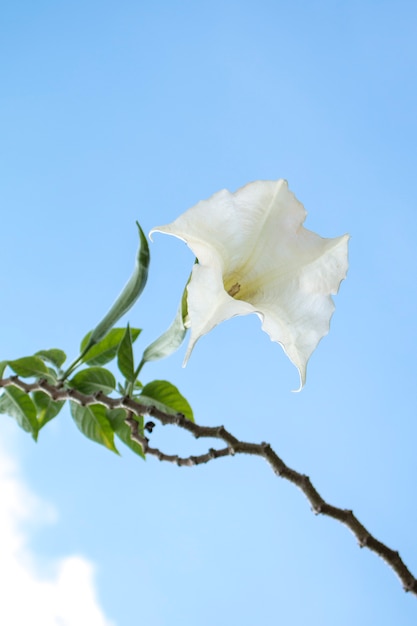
(234, 289)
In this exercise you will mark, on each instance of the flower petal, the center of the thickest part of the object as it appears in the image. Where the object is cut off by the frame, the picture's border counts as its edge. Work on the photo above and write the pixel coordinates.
(209, 304)
(297, 314)
(231, 223)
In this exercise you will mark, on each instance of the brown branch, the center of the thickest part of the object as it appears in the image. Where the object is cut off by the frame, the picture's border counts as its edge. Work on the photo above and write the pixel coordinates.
(234, 446)
(189, 461)
(171, 458)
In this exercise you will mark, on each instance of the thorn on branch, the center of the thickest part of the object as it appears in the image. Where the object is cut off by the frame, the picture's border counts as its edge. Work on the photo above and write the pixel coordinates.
(410, 586)
(221, 431)
(179, 419)
(317, 509)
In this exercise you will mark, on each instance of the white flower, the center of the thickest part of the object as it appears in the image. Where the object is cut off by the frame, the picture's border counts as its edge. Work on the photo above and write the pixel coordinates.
(254, 256)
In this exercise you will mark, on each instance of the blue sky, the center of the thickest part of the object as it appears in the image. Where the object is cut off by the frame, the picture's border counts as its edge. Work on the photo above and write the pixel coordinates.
(113, 112)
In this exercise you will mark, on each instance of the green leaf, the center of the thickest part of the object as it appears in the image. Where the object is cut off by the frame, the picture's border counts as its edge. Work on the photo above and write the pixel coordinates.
(93, 379)
(172, 338)
(54, 355)
(52, 376)
(29, 366)
(106, 349)
(122, 430)
(122, 389)
(129, 294)
(3, 365)
(47, 408)
(164, 395)
(125, 357)
(18, 404)
(93, 423)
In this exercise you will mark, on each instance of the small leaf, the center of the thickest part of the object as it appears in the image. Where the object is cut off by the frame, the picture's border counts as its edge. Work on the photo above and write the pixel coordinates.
(172, 338)
(3, 365)
(47, 408)
(161, 392)
(125, 357)
(29, 366)
(94, 423)
(106, 349)
(93, 379)
(116, 417)
(17, 404)
(122, 389)
(129, 294)
(54, 355)
(122, 430)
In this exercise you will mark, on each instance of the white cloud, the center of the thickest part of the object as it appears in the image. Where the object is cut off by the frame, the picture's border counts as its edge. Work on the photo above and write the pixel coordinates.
(27, 596)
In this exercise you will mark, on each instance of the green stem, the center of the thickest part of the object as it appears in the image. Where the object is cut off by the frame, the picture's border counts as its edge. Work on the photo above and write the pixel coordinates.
(138, 369)
(74, 364)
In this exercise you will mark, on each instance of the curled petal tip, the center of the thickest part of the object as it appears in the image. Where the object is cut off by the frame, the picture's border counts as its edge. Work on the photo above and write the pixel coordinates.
(300, 388)
(154, 230)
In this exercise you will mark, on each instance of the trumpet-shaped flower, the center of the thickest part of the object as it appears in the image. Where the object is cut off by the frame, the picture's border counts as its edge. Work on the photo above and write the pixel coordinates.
(255, 256)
